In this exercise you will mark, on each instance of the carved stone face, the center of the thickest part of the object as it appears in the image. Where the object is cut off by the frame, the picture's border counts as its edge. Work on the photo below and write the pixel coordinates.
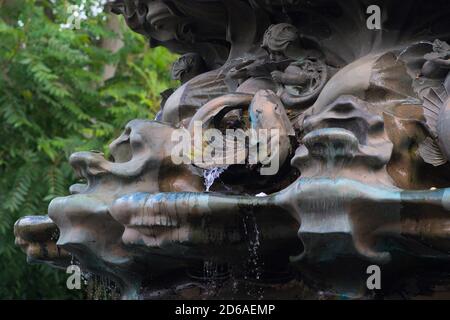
(187, 67)
(164, 24)
(278, 38)
(152, 17)
(87, 229)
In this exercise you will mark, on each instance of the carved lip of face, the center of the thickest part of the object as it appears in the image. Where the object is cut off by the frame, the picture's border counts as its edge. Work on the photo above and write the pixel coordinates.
(94, 171)
(87, 164)
(80, 217)
(130, 211)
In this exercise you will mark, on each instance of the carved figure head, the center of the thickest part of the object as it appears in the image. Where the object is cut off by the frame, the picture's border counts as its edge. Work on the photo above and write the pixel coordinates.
(187, 67)
(278, 38)
(441, 47)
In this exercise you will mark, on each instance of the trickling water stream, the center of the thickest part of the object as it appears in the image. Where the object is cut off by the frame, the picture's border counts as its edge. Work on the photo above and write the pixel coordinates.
(211, 175)
(209, 273)
(100, 287)
(254, 263)
(96, 287)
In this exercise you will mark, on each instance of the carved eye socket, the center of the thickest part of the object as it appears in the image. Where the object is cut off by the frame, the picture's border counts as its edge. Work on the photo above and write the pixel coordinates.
(136, 143)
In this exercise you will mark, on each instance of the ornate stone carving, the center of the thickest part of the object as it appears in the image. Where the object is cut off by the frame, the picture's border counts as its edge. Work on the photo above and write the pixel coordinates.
(362, 178)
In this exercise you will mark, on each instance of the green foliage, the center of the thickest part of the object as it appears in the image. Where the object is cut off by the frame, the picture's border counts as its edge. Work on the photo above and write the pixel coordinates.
(53, 101)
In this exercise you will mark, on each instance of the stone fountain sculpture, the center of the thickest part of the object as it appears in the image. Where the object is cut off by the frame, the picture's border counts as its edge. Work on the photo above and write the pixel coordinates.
(362, 154)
